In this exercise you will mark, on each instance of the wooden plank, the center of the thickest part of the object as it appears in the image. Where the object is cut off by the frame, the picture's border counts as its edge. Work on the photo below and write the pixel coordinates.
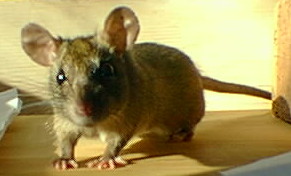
(223, 140)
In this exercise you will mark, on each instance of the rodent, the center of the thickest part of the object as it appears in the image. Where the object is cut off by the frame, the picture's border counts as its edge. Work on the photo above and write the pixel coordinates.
(107, 86)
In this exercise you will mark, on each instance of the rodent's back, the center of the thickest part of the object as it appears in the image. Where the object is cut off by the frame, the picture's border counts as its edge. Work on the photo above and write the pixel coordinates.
(171, 85)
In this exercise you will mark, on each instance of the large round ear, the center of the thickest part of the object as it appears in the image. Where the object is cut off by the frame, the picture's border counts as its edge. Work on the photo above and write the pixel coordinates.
(121, 29)
(39, 44)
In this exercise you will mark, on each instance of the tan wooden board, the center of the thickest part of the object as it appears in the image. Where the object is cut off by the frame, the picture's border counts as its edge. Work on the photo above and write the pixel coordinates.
(223, 140)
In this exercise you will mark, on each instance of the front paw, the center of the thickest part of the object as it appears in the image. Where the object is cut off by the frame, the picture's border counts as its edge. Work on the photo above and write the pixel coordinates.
(64, 164)
(111, 163)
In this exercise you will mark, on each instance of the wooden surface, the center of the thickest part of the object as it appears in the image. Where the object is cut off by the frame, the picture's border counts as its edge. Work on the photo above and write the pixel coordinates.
(230, 40)
(223, 140)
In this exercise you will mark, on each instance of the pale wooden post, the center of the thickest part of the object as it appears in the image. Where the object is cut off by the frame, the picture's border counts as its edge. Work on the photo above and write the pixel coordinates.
(282, 45)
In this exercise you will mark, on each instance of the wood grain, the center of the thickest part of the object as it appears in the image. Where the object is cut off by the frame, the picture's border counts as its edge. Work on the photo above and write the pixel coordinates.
(223, 140)
(229, 40)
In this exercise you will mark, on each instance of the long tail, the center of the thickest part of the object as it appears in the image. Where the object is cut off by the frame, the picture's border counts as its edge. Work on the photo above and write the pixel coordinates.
(218, 86)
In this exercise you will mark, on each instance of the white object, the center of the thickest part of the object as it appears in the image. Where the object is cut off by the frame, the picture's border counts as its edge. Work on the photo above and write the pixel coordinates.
(274, 166)
(10, 106)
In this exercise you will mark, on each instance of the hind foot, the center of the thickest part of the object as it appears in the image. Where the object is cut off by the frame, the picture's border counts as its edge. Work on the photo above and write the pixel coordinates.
(181, 135)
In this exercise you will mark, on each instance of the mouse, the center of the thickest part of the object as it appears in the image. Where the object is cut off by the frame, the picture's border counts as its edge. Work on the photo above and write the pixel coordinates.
(106, 85)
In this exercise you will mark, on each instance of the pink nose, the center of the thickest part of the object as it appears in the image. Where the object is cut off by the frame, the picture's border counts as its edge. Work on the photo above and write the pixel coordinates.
(86, 109)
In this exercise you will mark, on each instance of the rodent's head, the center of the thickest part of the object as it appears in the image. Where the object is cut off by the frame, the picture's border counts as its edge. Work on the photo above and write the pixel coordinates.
(88, 74)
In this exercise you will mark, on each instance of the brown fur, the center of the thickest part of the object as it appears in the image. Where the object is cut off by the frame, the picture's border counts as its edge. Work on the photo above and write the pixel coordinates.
(108, 87)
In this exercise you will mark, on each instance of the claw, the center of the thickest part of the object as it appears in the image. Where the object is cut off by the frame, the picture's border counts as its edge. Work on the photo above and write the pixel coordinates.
(102, 163)
(64, 164)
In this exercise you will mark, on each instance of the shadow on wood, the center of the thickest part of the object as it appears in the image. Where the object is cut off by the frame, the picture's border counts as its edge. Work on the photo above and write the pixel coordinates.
(225, 143)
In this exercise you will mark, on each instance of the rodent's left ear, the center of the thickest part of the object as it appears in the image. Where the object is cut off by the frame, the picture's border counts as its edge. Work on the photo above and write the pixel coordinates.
(121, 29)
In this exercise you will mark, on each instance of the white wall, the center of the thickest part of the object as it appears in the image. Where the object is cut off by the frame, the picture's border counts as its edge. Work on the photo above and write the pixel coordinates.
(229, 40)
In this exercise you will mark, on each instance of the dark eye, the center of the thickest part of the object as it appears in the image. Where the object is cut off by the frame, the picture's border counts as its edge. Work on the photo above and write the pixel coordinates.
(106, 70)
(61, 77)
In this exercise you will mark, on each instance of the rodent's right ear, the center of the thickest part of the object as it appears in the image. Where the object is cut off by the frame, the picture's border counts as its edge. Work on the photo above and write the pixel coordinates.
(39, 44)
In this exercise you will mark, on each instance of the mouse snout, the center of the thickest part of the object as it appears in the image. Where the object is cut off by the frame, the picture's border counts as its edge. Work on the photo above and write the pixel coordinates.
(85, 109)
